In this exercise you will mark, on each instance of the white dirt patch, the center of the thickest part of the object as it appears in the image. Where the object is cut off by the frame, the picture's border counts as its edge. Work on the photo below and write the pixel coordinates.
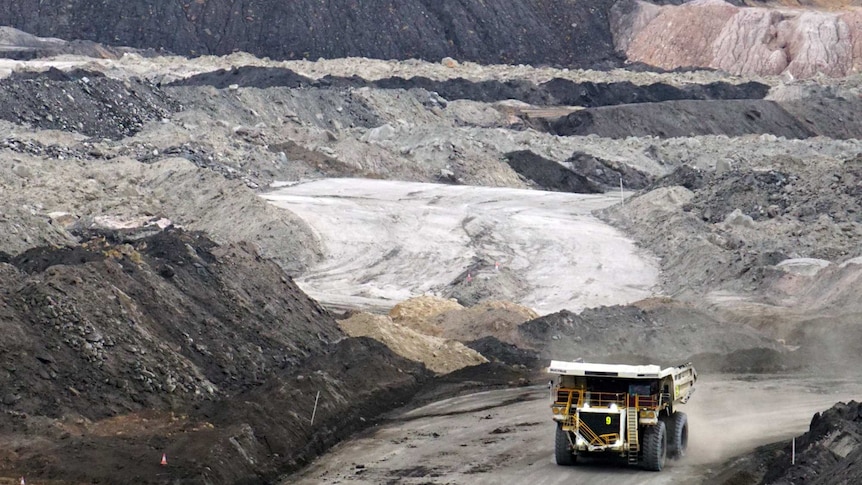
(387, 241)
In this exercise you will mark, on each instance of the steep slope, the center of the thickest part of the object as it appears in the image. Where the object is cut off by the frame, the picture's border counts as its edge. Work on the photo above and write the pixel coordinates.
(134, 345)
(163, 333)
(510, 31)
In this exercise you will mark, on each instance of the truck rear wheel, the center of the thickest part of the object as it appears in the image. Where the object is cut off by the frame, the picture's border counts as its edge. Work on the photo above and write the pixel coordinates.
(677, 435)
(563, 448)
(654, 447)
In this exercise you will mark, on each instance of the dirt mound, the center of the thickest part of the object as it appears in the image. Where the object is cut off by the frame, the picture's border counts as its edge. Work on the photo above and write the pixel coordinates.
(169, 343)
(83, 102)
(39, 259)
(665, 334)
(827, 113)
(482, 281)
(684, 118)
(125, 189)
(497, 351)
(512, 31)
(439, 355)
(248, 76)
(550, 175)
(498, 319)
(750, 219)
(128, 354)
(774, 247)
(581, 173)
(15, 44)
(416, 313)
(555, 92)
(564, 92)
(269, 428)
(425, 328)
(608, 174)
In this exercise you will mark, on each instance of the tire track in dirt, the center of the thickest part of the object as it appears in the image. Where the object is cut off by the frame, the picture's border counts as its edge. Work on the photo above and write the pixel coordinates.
(387, 241)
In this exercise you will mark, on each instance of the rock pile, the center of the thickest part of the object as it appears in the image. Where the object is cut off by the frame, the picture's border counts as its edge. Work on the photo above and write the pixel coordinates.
(745, 220)
(660, 332)
(82, 101)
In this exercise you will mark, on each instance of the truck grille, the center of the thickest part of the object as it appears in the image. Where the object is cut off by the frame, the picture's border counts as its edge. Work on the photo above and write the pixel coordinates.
(602, 424)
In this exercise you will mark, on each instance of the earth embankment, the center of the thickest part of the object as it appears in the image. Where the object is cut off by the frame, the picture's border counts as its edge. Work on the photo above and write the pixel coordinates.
(554, 92)
(128, 346)
(510, 31)
(832, 115)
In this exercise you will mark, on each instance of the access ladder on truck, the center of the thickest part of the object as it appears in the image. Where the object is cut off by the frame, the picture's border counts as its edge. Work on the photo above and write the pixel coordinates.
(632, 437)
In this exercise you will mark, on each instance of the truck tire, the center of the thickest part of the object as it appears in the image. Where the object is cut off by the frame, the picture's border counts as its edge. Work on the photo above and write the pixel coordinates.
(677, 435)
(562, 448)
(654, 447)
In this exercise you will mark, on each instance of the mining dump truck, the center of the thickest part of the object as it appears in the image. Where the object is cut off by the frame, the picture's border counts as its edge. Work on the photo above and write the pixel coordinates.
(620, 410)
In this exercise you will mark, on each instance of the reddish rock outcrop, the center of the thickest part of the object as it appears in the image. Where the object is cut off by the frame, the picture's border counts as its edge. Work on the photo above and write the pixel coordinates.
(741, 40)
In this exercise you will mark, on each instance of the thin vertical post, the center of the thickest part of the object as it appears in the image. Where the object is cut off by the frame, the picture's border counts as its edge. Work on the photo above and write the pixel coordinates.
(315, 407)
(793, 452)
(622, 194)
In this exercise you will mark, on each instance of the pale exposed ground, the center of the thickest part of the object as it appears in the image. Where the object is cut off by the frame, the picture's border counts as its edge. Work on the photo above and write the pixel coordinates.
(387, 241)
(508, 437)
(171, 68)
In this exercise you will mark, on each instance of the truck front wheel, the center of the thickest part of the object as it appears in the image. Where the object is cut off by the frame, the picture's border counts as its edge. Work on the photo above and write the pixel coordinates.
(654, 447)
(563, 452)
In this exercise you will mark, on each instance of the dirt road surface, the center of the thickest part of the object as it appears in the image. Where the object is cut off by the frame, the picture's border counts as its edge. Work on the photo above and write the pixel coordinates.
(507, 437)
(387, 241)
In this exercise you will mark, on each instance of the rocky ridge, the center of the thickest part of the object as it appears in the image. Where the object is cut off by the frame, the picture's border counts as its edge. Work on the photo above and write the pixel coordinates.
(470, 30)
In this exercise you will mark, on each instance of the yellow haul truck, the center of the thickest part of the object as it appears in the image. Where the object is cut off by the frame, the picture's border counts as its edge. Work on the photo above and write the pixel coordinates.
(626, 410)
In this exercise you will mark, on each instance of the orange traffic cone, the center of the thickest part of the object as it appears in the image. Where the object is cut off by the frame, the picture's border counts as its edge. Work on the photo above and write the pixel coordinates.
(164, 459)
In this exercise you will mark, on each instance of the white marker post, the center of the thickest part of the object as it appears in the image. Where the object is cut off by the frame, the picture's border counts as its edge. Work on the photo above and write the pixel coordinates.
(622, 194)
(793, 452)
(315, 407)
